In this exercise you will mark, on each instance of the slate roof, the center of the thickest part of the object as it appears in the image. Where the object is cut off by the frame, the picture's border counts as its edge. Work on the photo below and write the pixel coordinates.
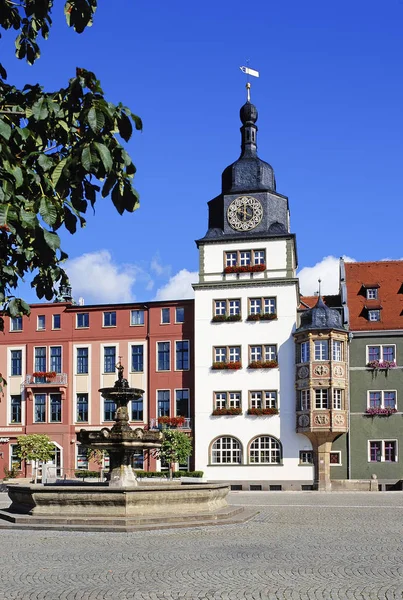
(387, 277)
(320, 316)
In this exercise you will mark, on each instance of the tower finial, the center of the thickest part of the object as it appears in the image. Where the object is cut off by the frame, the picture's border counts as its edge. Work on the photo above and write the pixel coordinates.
(248, 72)
(248, 92)
(319, 282)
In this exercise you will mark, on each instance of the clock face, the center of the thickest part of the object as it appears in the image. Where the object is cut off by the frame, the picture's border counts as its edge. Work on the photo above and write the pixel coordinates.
(244, 213)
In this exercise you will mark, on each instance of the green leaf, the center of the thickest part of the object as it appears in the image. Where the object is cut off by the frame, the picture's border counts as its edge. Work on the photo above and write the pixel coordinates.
(18, 176)
(45, 162)
(104, 155)
(3, 72)
(125, 127)
(52, 239)
(5, 130)
(96, 119)
(70, 221)
(86, 158)
(57, 171)
(40, 109)
(28, 219)
(4, 210)
(138, 123)
(48, 211)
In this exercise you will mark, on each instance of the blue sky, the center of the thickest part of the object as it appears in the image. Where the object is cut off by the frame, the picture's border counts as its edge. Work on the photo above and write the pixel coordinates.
(330, 100)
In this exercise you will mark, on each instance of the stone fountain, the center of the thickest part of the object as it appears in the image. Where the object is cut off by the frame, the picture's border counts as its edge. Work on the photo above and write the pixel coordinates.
(121, 441)
(121, 504)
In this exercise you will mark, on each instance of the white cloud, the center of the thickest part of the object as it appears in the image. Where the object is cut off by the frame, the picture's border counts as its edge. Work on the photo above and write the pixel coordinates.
(327, 270)
(99, 280)
(179, 286)
(158, 268)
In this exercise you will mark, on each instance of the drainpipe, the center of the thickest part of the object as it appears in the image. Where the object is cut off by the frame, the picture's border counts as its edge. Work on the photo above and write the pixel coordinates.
(146, 307)
(350, 337)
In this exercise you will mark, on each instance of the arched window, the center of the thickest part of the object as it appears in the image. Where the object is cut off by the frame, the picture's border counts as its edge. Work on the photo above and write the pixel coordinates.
(226, 450)
(265, 450)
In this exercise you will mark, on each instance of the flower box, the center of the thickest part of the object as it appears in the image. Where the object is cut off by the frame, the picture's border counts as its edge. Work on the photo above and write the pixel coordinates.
(380, 412)
(171, 421)
(226, 318)
(232, 366)
(227, 411)
(261, 412)
(46, 374)
(262, 317)
(245, 269)
(381, 365)
(263, 364)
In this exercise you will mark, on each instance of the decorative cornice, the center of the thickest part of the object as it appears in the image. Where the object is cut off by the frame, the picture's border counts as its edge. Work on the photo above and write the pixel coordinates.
(244, 283)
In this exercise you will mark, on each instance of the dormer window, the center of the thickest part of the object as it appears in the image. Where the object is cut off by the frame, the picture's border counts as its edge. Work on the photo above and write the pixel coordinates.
(374, 315)
(372, 293)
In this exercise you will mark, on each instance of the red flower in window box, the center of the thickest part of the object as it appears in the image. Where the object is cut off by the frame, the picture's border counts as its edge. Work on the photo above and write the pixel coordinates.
(245, 269)
(171, 421)
(263, 364)
(227, 411)
(232, 366)
(226, 318)
(46, 374)
(380, 412)
(258, 412)
(382, 365)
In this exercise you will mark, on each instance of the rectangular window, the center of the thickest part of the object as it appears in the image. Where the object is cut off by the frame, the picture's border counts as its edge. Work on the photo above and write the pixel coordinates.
(82, 361)
(56, 321)
(16, 412)
(234, 399)
(40, 408)
(268, 352)
(83, 320)
(335, 458)
(269, 306)
(82, 457)
(220, 307)
(109, 359)
(182, 403)
(41, 322)
(321, 349)
(374, 315)
(55, 408)
(137, 358)
(16, 324)
(263, 399)
(234, 307)
(182, 355)
(305, 457)
(165, 318)
(179, 314)
(382, 399)
(109, 410)
(56, 359)
(259, 257)
(231, 259)
(337, 399)
(321, 398)
(381, 353)
(40, 359)
(137, 410)
(383, 451)
(234, 354)
(137, 317)
(227, 400)
(82, 408)
(244, 258)
(15, 461)
(255, 306)
(305, 400)
(220, 399)
(163, 403)
(372, 293)
(304, 352)
(16, 362)
(110, 319)
(164, 356)
(337, 350)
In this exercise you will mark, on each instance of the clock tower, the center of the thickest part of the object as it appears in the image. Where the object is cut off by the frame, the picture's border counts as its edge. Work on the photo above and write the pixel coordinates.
(245, 314)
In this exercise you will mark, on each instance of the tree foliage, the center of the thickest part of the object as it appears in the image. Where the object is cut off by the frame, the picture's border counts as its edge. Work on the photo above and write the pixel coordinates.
(58, 151)
(176, 447)
(35, 446)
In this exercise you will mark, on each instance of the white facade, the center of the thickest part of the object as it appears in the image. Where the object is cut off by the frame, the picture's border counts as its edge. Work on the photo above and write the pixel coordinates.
(276, 282)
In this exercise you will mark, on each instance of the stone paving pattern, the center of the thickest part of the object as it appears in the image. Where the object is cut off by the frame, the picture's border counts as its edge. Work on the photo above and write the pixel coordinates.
(308, 546)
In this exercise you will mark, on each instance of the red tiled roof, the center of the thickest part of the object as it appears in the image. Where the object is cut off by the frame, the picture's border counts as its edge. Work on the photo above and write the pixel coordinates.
(388, 275)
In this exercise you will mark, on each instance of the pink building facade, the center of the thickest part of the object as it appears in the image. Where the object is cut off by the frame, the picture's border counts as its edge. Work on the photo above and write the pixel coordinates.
(56, 360)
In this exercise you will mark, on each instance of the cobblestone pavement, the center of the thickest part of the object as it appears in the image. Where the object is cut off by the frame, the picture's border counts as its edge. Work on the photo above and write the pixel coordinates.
(301, 545)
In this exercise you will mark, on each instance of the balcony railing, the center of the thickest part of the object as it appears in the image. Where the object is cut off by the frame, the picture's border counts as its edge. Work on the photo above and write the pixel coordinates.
(58, 379)
(172, 423)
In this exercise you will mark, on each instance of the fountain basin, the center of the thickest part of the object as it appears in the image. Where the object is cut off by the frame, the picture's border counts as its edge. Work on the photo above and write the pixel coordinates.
(93, 501)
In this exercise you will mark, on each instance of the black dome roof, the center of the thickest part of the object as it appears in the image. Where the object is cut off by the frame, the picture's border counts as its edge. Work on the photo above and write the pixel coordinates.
(320, 317)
